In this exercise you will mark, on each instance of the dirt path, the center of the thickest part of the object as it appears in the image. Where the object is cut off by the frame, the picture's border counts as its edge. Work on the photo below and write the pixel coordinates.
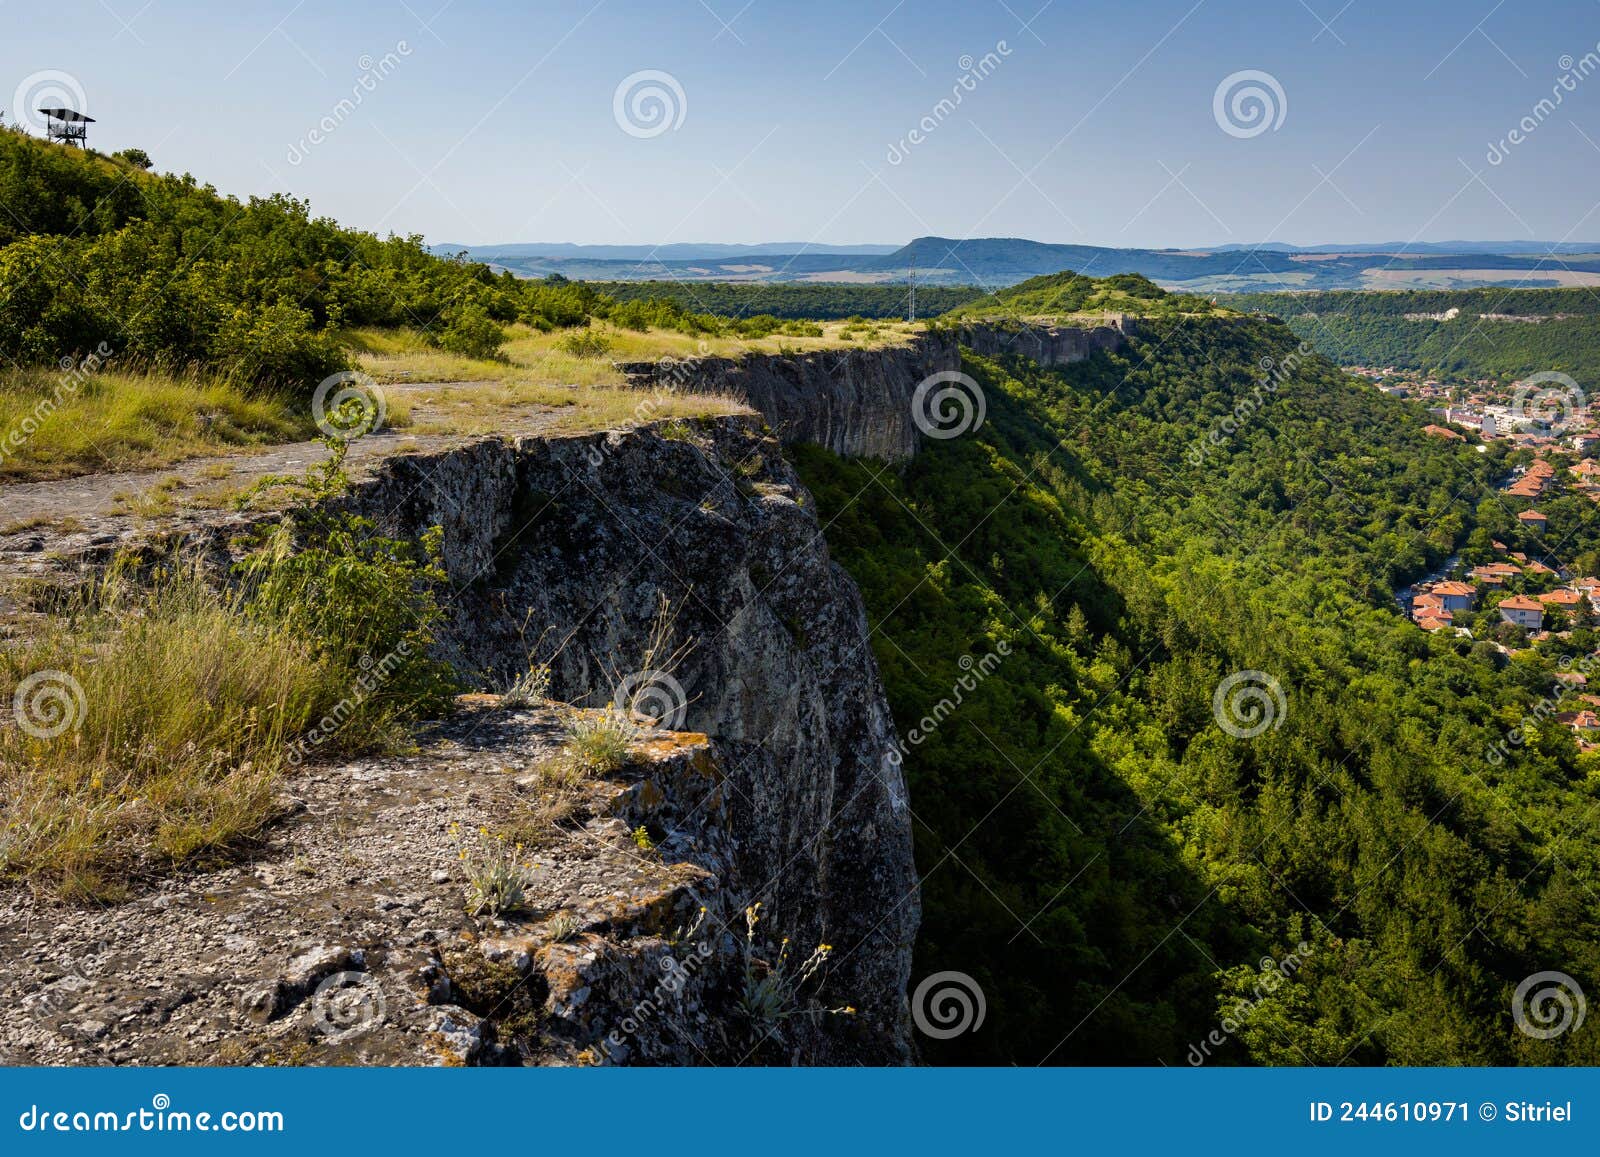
(112, 500)
(46, 527)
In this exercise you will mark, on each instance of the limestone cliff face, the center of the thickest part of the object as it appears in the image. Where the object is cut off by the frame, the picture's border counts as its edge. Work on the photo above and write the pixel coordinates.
(568, 548)
(858, 402)
(1049, 345)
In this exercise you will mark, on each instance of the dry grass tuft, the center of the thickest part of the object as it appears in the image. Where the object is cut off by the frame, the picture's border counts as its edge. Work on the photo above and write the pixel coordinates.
(177, 705)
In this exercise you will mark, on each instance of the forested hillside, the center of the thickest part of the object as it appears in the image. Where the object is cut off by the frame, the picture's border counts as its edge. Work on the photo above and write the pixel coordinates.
(1503, 333)
(1119, 871)
(166, 274)
(822, 301)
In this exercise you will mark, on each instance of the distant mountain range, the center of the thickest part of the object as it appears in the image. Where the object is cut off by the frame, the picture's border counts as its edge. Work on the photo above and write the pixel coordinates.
(994, 262)
(685, 251)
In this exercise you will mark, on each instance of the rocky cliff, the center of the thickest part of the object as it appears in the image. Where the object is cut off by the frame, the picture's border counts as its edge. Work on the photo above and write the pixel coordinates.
(858, 402)
(683, 577)
(570, 549)
(1049, 345)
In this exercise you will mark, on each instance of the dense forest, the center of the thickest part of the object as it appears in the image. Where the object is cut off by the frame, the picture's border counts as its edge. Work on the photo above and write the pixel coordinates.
(1504, 333)
(1362, 882)
(819, 301)
(1055, 294)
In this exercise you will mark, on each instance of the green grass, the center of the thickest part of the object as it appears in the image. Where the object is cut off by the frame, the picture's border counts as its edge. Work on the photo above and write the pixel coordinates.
(180, 705)
(156, 722)
(128, 421)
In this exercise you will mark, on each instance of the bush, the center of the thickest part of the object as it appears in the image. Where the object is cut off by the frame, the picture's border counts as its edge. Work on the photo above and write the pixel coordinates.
(366, 602)
(471, 332)
(276, 347)
(586, 344)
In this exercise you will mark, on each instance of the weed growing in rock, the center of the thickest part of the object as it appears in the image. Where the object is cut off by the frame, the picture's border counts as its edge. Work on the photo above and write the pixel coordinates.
(598, 743)
(528, 688)
(561, 927)
(497, 873)
(773, 982)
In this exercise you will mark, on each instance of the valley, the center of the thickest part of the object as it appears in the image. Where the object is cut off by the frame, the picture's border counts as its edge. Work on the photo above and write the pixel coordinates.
(1050, 642)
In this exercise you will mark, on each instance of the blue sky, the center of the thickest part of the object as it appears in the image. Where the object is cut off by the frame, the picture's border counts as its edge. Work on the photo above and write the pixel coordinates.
(1096, 124)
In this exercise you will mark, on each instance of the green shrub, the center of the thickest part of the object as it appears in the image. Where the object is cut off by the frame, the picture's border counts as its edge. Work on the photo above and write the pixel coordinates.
(471, 332)
(277, 346)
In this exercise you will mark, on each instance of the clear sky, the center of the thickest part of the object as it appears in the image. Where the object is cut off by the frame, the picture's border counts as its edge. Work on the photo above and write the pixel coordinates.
(1096, 121)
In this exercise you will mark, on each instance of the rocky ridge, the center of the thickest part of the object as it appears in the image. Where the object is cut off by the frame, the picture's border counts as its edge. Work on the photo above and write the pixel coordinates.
(787, 797)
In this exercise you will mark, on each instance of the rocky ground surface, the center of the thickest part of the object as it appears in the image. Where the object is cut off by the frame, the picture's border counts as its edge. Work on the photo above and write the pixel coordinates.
(345, 938)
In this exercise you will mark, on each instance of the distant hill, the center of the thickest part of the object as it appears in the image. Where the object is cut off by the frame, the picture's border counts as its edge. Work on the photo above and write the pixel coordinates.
(684, 251)
(995, 262)
(1498, 332)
